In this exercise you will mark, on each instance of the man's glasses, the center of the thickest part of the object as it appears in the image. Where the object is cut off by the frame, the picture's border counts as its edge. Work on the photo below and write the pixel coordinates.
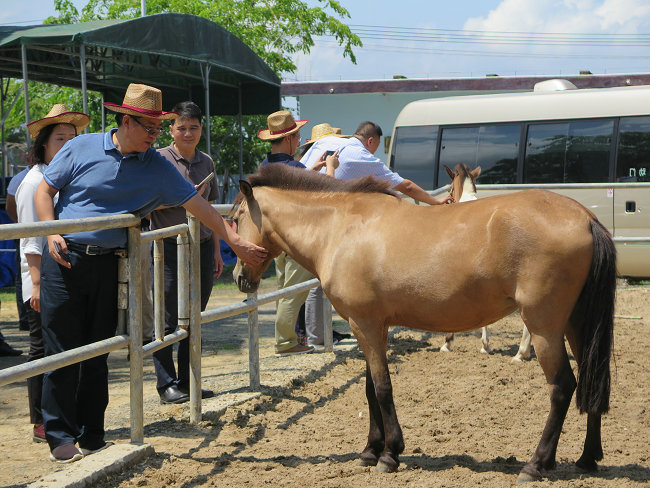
(148, 130)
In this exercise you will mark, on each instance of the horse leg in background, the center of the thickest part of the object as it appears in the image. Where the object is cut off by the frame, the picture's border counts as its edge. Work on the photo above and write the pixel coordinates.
(553, 358)
(385, 440)
(524, 346)
(449, 339)
(485, 341)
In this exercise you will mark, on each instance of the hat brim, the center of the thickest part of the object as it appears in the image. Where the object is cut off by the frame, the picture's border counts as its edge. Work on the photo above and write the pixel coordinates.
(79, 119)
(311, 141)
(140, 113)
(265, 134)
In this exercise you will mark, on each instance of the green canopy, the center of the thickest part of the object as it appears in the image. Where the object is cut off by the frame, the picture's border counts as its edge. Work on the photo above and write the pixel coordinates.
(173, 52)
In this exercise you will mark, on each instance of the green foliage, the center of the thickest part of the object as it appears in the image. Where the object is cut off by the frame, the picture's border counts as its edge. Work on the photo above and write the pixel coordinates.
(275, 30)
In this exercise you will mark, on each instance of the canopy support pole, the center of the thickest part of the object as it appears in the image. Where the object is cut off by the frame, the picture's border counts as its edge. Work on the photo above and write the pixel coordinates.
(5, 114)
(25, 81)
(103, 115)
(241, 135)
(205, 75)
(84, 86)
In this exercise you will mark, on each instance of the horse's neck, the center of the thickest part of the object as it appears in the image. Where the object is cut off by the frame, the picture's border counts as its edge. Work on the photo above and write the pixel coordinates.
(468, 191)
(299, 225)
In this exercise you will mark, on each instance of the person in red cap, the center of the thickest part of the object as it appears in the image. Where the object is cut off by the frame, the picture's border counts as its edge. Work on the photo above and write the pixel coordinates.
(101, 175)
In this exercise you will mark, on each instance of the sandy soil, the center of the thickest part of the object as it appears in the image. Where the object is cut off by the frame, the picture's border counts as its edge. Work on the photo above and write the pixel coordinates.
(468, 419)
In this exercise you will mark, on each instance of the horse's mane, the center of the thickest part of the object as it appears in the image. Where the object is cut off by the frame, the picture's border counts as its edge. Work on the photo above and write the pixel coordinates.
(289, 178)
(464, 172)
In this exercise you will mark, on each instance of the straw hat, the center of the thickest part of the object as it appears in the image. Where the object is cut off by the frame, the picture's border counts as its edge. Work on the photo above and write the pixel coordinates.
(59, 115)
(323, 130)
(142, 101)
(281, 124)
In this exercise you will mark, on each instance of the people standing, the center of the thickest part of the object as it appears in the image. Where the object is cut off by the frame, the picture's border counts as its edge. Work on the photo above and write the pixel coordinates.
(105, 174)
(283, 133)
(194, 166)
(49, 134)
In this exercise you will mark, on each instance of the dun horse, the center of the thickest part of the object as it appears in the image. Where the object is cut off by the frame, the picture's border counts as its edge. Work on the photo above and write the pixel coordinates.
(463, 189)
(447, 268)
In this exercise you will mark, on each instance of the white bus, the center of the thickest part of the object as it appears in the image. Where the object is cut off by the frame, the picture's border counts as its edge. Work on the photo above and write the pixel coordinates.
(592, 145)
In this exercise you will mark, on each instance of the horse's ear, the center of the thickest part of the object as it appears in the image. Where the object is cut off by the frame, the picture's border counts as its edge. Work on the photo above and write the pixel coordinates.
(449, 172)
(475, 173)
(247, 190)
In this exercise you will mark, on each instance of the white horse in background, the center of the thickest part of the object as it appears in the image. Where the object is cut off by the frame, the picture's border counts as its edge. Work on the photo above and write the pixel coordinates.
(463, 189)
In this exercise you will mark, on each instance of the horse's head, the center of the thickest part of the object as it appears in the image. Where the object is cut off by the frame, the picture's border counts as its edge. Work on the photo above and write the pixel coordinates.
(463, 182)
(247, 218)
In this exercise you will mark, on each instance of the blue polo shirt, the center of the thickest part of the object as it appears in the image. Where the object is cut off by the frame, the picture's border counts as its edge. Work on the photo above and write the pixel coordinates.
(94, 179)
(281, 158)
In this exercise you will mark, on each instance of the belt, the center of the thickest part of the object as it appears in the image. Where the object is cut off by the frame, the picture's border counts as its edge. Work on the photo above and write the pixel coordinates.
(89, 249)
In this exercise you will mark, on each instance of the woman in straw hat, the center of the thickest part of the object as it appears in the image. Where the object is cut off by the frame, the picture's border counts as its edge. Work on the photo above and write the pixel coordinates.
(49, 134)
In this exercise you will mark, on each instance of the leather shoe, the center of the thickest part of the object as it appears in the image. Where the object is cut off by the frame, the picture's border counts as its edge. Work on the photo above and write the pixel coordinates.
(172, 394)
(7, 350)
(204, 393)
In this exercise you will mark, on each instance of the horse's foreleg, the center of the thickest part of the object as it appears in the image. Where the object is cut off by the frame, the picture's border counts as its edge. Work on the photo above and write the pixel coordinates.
(562, 384)
(375, 445)
(485, 341)
(524, 346)
(449, 339)
(379, 392)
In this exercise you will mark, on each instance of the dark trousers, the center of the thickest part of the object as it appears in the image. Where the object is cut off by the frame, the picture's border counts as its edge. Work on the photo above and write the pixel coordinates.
(78, 307)
(162, 359)
(35, 383)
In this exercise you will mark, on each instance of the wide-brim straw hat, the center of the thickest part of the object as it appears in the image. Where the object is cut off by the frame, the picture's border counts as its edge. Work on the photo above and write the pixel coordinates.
(324, 130)
(142, 101)
(59, 114)
(281, 124)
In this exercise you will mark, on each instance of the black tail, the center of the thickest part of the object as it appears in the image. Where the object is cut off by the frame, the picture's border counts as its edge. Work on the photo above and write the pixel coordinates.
(595, 320)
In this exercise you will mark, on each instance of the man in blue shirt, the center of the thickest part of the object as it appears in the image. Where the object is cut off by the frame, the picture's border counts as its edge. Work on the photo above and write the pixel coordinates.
(102, 174)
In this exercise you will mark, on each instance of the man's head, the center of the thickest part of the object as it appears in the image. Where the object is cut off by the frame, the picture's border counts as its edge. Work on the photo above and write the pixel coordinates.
(139, 118)
(369, 134)
(186, 129)
(283, 132)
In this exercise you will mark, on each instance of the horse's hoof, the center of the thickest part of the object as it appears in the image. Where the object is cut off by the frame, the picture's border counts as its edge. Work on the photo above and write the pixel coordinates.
(587, 465)
(486, 351)
(445, 348)
(517, 359)
(528, 476)
(368, 461)
(384, 467)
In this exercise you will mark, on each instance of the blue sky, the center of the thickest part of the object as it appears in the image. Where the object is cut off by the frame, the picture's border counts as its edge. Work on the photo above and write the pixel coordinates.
(450, 39)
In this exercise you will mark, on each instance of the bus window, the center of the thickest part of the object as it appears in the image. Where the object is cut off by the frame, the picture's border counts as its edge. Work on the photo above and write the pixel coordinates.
(572, 152)
(493, 147)
(413, 154)
(633, 162)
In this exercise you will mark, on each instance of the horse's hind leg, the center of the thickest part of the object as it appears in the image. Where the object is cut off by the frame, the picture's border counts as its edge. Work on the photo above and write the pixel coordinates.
(553, 358)
(385, 440)
(449, 339)
(524, 346)
(593, 448)
(485, 341)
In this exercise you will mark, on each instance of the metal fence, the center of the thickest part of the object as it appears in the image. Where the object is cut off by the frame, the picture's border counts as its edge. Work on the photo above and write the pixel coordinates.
(129, 327)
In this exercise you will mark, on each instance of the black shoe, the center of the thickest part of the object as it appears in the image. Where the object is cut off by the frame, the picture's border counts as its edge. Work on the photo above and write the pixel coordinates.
(204, 393)
(7, 350)
(338, 337)
(172, 394)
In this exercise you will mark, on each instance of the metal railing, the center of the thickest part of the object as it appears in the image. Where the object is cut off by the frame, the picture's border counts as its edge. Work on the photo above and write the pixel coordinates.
(190, 318)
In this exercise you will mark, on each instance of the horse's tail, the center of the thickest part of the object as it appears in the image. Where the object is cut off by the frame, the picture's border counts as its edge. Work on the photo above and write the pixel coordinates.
(595, 323)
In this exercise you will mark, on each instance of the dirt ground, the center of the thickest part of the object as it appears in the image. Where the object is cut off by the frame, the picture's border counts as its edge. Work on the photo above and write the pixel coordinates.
(468, 419)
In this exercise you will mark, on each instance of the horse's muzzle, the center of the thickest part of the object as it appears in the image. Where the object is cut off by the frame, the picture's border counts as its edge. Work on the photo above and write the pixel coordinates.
(246, 286)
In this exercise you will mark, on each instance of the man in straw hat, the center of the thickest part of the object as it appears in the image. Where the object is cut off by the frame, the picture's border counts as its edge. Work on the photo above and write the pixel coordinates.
(102, 174)
(284, 134)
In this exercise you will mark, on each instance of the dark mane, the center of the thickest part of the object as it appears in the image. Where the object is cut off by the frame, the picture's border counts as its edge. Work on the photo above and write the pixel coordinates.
(464, 172)
(290, 178)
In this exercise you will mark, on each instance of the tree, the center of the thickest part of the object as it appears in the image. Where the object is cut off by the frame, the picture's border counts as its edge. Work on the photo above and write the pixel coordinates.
(275, 30)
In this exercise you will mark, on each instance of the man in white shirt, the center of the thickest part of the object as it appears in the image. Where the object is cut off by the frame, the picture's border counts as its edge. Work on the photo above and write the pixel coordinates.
(357, 160)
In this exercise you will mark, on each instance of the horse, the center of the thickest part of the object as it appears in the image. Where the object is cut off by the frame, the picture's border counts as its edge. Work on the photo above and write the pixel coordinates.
(463, 189)
(447, 268)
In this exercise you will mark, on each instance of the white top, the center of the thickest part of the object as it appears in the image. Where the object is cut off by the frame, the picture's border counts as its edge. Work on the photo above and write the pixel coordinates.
(26, 210)
(355, 161)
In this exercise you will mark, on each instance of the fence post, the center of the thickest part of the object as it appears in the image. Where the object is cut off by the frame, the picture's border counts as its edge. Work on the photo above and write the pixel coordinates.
(194, 271)
(135, 335)
(159, 289)
(253, 345)
(122, 291)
